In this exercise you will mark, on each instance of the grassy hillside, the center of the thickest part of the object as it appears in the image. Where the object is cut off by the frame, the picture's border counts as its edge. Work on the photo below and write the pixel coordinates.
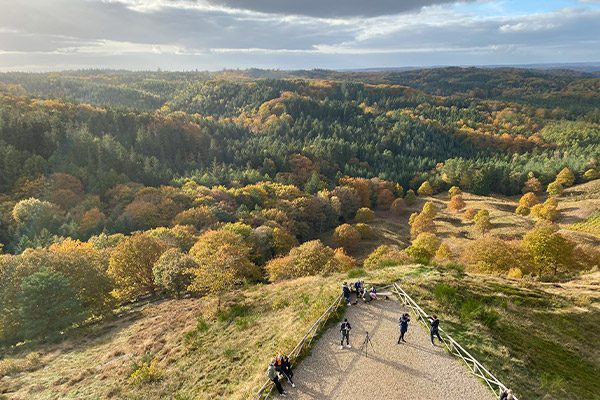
(539, 339)
(578, 208)
(199, 353)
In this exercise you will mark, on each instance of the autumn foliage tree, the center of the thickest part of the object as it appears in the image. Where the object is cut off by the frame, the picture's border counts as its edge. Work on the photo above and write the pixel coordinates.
(223, 262)
(425, 189)
(483, 222)
(200, 217)
(532, 184)
(555, 188)
(550, 253)
(385, 198)
(398, 206)
(86, 269)
(364, 215)
(346, 236)
(526, 202)
(565, 177)
(456, 203)
(310, 258)
(490, 254)
(173, 271)
(547, 211)
(443, 254)
(423, 221)
(424, 247)
(131, 265)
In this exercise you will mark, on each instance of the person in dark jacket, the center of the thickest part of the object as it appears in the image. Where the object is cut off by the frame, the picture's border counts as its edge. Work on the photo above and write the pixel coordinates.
(346, 292)
(506, 395)
(345, 331)
(358, 289)
(404, 320)
(272, 374)
(284, 367)
(434, 328)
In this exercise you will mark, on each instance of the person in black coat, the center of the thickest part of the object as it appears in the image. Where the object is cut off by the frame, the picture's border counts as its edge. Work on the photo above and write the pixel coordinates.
(345, 331)
(434, 328)
(346, 293)
(404, 320)
(287, 370)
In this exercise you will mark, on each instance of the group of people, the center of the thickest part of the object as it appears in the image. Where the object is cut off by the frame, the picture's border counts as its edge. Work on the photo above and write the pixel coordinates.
(280, 368)
(360, 290)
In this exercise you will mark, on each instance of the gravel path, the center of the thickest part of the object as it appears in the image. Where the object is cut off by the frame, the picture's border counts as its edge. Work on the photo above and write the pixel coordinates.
(413, 370)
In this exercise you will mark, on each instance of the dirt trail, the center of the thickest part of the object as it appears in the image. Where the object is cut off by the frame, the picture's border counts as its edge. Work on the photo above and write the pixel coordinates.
(413, 370)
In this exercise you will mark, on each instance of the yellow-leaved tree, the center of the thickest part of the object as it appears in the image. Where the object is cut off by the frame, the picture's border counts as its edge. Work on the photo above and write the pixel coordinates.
(483, 221)
(346, 236)
(423, 221)
(425, 189)
(223, 262)
(550, 253)
(131, 265)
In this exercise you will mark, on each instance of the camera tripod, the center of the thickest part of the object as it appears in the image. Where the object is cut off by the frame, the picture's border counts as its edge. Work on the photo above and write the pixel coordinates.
(366, 343)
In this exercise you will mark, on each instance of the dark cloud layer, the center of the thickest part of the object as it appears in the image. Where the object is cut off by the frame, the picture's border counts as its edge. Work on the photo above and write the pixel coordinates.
(331, 8)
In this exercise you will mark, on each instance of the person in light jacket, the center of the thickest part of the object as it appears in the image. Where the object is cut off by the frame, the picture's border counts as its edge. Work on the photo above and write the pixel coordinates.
(272, 374)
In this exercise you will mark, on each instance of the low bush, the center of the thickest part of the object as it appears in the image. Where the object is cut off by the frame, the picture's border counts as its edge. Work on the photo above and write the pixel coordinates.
(386, 256)
(144, 371)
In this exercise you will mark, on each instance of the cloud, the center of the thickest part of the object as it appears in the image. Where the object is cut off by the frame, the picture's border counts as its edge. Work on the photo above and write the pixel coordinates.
(176, 34)
(330, 8)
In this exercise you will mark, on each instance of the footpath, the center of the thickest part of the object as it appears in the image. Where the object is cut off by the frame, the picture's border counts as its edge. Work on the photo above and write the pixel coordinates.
(414, 370)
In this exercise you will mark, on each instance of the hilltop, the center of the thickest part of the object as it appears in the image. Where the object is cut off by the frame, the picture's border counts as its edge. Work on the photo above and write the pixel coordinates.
(191, 342)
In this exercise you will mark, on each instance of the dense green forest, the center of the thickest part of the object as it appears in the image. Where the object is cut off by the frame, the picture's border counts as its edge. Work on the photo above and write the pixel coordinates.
(97, 166)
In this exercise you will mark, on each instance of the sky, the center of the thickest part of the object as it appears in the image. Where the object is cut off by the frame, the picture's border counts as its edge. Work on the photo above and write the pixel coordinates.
(41, 35)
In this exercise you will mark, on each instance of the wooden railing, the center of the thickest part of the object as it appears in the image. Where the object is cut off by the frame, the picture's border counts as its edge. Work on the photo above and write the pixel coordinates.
(304, 343)
(452, 345)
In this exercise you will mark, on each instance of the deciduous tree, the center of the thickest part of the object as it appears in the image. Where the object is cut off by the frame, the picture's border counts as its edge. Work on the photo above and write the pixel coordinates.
(346, 236)
(131, 265)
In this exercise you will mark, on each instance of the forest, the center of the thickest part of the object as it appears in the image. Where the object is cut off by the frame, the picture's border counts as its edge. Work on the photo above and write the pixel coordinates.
(117, 185)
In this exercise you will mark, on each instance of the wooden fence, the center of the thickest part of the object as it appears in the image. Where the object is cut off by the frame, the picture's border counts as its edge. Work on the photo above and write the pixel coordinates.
(304, 343)
(452, 345)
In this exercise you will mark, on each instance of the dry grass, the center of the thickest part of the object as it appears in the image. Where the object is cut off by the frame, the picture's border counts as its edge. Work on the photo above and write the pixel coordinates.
(226, 357)
(579, 204)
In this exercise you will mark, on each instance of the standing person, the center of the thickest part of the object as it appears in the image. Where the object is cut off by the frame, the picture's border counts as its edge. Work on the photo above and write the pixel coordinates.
(434, 328)
(358, 290)
(345, 331)
(272, 374)
(287, 370)
(346, 292)
(404, 320)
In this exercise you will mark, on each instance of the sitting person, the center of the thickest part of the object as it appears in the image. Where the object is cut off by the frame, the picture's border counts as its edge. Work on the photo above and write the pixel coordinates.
(373, 293)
